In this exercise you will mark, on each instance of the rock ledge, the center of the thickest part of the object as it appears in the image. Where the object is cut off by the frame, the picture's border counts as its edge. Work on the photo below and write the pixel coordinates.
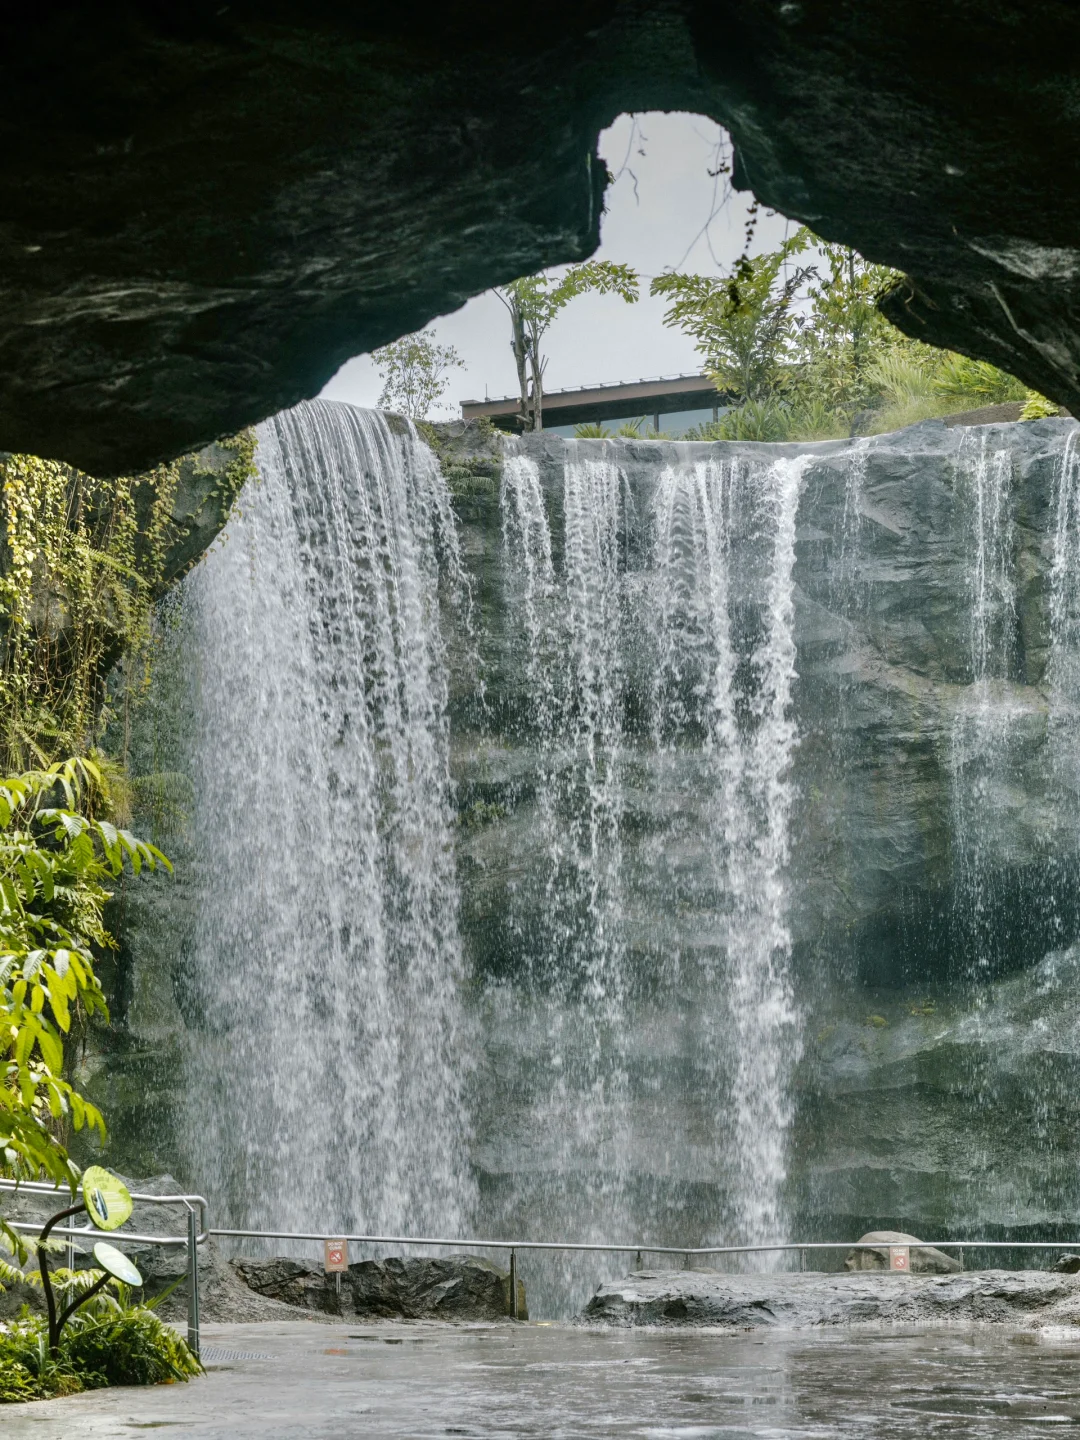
(1026, 1299)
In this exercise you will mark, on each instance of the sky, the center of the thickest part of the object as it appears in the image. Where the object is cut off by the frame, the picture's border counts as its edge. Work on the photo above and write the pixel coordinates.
(664, 212)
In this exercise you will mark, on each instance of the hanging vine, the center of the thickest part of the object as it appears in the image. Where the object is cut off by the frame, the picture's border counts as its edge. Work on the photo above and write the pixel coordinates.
(82, 564)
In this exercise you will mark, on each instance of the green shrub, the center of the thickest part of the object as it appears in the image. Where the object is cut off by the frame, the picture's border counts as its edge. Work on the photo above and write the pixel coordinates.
(130, 1348)
(1037, 407)
(115, 1344)
(16, 1382)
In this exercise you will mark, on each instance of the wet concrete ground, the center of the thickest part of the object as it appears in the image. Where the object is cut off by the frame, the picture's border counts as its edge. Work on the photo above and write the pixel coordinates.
(420, 1380)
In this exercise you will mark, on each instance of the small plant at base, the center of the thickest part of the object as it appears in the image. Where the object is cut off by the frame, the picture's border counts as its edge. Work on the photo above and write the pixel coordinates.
(1038, 407)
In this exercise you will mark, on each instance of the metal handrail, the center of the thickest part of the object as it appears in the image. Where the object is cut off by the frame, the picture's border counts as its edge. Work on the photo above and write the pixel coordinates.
(644, 1249)
(638, 1249)
(193, 1204)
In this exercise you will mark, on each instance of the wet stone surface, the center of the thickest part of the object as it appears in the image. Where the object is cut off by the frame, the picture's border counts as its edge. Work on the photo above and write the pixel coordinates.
(424, 1380)
(1021, 1298)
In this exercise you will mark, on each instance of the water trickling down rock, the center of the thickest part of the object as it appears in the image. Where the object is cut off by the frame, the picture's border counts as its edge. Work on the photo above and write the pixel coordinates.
(757, 912)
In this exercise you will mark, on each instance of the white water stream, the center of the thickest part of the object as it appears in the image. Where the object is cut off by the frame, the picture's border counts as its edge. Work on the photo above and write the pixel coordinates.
(662, 616)
(328, 1075)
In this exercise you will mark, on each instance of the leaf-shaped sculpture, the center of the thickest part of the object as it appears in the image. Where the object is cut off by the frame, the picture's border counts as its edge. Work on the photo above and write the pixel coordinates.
(116, 1264)
(107, 1199)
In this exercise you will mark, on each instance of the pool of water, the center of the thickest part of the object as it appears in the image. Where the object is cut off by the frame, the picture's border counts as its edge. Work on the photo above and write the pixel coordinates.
(400, 1380)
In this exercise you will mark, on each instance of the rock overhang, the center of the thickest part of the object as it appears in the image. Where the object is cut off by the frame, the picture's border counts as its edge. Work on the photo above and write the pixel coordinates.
(216, 206)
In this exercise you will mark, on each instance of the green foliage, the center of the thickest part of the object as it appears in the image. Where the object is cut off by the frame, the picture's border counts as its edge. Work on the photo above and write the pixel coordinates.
(1038, 407)
(808, 354)
(959, 378)
(112, 1342)
(744, 326)
(82, 563)
(756, 420)
(56, 862)
(592, 430)
(72, 580)
(534, 301)
(414, 374)
(467, 476)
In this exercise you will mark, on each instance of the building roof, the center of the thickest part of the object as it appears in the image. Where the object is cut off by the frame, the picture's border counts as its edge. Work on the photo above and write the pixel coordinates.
(622, 400)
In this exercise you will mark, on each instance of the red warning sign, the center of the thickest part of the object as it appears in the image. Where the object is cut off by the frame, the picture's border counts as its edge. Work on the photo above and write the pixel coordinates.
(899, 1257)
(337, 1256)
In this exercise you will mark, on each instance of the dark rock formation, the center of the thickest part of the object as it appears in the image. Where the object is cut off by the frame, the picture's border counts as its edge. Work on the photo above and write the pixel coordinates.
(292, 1282)
(921, 1259)
(457, 1288)
(217, 205)
(1025, 1299)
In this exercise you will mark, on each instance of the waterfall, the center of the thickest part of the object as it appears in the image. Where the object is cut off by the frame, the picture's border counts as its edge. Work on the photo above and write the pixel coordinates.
(1065, 613)
(735, 692)
(658, 639)
(982, 724)
(327, 1077)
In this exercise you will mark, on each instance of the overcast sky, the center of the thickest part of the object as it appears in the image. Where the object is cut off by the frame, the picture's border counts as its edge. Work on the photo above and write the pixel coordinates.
(663, 212)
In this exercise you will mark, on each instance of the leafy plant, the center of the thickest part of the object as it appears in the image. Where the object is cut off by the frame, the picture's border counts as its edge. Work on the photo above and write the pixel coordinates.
(756, 420)
(1038, 407)
(82, 563)
(115, 1343)
(414, 374)
(56, 861)
(742, 326)
(592, 430)
(975, 382)
(807, 353)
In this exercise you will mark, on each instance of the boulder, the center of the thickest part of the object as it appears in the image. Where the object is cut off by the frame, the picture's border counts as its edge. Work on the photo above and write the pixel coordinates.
(922, 1259)
(292, 1282)
(1066, 1265)
(1025, 1299)
(425, 1288)
(435, 1288)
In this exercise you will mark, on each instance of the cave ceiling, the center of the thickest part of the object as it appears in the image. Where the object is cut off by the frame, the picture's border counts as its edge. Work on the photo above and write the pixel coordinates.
(206, 209)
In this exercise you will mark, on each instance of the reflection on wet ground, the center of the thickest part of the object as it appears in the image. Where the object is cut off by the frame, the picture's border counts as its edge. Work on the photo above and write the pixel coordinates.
(420, 1380)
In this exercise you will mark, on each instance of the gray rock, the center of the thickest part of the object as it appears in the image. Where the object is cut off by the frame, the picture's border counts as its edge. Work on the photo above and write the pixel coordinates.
(307, 1287)
(436, 1288)
(122, 343)
(1066, 1265)
(796, 1302)
(922, 1259)
(456, 1288)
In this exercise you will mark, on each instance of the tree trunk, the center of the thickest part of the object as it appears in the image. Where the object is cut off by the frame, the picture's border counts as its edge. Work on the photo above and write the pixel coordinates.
(537, 385)
(520, 347)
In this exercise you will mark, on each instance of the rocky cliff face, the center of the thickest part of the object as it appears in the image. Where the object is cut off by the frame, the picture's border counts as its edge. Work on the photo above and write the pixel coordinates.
(907, 846)
(932, 883)
(218, 205)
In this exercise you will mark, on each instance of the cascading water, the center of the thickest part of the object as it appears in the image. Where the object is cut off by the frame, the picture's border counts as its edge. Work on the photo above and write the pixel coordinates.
(739, 706)
(542, 961)
(1065, 616)
(327, 1075)
(983, 722)
(657, 624)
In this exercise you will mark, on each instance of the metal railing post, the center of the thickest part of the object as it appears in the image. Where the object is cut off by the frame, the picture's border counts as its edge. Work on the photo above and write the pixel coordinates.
(513, 1285)
(193, 1281)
